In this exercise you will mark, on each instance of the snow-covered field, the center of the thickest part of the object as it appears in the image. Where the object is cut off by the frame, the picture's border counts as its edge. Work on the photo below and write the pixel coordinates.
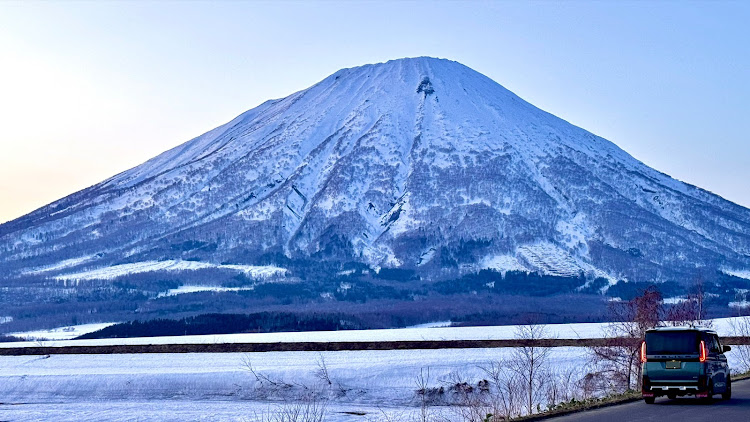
(364, 385)
(221, 387)
(184, 410)
(586, 330)
(61, 333)
(426, 332)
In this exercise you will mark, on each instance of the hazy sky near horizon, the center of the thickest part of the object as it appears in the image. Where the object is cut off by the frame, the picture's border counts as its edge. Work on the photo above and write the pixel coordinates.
(90, 89)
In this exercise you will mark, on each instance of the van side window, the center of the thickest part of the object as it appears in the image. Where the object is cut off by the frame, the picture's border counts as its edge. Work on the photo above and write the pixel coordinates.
(718, 344)
(714, 345)
(710, 342)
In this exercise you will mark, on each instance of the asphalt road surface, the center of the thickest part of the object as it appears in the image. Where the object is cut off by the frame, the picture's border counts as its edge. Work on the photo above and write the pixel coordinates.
(687, 409)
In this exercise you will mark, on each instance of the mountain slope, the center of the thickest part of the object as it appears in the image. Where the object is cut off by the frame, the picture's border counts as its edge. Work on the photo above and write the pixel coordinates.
(415, 163)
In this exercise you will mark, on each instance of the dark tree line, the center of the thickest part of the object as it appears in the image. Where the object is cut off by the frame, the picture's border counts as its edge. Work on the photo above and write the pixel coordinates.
(263, 322)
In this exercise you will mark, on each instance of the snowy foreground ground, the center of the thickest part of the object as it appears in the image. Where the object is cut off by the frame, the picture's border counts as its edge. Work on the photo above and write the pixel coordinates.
(221, 387)
(363, 380)
(365, 385)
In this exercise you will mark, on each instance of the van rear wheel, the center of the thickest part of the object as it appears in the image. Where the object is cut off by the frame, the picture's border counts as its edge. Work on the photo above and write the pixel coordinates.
(727, 394)
(649, 400)
(710, 394)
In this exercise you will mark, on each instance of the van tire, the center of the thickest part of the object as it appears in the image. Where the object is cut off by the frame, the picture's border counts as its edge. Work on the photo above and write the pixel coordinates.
(710, 398)
(727, 394)
(649, 400)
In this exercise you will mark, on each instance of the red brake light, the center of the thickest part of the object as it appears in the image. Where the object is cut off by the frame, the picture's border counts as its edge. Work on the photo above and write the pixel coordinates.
(703, 354)
(643, 352)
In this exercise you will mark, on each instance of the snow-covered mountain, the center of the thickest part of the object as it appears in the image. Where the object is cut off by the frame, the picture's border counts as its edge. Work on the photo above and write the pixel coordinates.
(418, 163)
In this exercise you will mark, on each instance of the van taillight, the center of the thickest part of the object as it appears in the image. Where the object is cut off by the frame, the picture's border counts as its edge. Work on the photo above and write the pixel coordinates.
(643, 352)
(703, 355)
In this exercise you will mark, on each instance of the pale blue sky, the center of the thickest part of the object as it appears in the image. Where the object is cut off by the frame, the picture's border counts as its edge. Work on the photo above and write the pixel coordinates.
(88, 89)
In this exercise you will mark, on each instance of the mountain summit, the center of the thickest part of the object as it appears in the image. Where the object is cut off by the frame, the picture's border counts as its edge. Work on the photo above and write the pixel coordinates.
(418, 164)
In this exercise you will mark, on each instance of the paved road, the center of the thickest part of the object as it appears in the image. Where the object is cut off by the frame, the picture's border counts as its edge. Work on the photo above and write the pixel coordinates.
(681, 410)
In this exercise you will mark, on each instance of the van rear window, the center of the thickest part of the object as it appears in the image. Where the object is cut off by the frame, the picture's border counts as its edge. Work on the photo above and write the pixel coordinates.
(672, 342)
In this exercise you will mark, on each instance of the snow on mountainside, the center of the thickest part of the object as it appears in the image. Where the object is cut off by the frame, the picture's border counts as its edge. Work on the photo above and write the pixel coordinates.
(115, 271)
(417, 163)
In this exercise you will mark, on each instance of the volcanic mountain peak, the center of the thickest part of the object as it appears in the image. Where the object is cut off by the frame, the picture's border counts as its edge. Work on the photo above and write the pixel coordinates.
(415, 163)
(388, 91)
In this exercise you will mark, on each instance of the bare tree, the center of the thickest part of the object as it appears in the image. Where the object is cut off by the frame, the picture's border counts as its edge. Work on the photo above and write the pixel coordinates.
(692, 311)
(618, 359)
(424, 393)
(322, 371)
(529, 362)
(741, 328)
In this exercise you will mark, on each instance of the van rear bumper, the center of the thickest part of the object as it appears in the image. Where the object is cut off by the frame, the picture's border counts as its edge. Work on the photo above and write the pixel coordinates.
(668, 388)
(676, 389)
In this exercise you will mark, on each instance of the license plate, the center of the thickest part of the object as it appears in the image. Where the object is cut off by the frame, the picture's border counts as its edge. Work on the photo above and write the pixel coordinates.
(674, 364)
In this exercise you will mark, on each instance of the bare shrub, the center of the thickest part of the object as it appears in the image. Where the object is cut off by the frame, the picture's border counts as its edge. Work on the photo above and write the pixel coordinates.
(594, 383)
(390, 416)
(505, 397)
(266, 386)
(562, 386)
(269, 388)
(301, 403)
(325, 378)
(309, 408)
(469, 401)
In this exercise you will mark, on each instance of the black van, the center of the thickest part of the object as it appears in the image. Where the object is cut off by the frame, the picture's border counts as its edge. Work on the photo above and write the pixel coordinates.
(679, 361)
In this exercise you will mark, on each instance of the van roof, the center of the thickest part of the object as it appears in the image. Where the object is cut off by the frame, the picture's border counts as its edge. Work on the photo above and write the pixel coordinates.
(696, 328)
